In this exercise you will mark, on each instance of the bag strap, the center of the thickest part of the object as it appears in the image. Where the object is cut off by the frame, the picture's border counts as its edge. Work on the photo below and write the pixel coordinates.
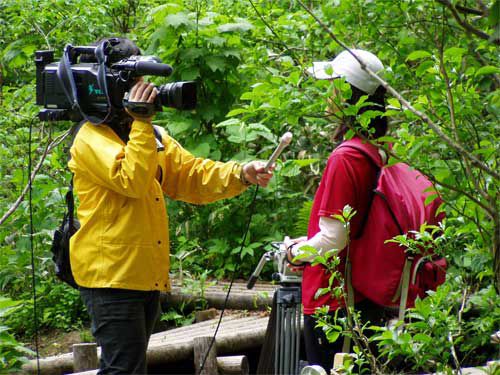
(67, 80)
(361, 148)
(350, 301)
(348, 265)
(70, 198)
(70, 202)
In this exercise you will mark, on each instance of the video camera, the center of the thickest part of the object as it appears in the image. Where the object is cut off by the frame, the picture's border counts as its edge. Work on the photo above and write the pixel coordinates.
(93, 87)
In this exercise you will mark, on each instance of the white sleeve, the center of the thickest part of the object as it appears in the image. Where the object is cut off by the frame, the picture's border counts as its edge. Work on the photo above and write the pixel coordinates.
(332, 235)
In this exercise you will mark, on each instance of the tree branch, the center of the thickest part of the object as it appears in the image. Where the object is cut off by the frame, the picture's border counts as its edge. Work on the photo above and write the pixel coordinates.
(467, 10)
(456, 146)
(47, 150)
(467, 26)
(284, 45)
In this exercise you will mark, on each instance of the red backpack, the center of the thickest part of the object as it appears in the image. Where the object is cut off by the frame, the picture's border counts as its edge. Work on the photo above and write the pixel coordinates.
(397, 207)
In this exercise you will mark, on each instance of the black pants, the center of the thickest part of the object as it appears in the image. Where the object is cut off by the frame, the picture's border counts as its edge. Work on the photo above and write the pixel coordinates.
(122, 322)
(320, 352)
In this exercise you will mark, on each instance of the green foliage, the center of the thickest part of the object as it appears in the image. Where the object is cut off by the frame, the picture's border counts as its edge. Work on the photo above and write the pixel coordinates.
(58, 306)
(249, 59)
(12, 353)
(436, 337)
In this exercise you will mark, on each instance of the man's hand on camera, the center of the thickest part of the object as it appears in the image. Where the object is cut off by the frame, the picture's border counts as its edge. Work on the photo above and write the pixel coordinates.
(139, 101)
(254, 173)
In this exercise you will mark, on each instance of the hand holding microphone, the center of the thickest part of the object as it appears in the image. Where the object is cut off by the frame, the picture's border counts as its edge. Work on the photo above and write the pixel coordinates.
(260, 173)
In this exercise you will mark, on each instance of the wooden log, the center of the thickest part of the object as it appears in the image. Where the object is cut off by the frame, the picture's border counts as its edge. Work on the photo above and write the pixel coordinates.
(235, 335)
(205, 364)
(228, 365)
(55, 365)
(260, 298)
(85, 356)
(233, 365)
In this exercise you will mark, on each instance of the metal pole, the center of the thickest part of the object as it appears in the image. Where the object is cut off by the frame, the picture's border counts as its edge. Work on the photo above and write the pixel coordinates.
(292, 338)
(287, 340)
(297, 336)
(277, 345)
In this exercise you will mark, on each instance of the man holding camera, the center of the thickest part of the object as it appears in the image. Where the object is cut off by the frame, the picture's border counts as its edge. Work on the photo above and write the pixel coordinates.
(120, 255)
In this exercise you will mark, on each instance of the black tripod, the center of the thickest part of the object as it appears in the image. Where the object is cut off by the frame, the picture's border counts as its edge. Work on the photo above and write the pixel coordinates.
(284, 327)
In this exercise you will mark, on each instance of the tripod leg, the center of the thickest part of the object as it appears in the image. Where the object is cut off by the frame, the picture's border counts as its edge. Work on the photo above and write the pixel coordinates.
(293, 333)
(297, 336)
(288, 340)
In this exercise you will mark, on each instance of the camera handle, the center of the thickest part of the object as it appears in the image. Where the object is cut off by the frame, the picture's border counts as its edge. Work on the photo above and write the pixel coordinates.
(67, 80)
(256, 273)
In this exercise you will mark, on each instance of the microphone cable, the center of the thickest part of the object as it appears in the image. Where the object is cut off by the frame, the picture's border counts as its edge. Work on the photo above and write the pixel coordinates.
(33, 276)
(235, 272)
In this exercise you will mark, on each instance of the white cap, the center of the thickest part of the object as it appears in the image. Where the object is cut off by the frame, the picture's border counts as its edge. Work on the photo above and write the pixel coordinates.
(345, 65)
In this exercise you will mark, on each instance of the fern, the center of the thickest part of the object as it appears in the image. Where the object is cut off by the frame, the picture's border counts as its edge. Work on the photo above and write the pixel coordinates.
(300, 227)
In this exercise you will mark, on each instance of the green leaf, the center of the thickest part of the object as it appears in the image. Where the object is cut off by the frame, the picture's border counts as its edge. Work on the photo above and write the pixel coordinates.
(178, 19)
(489, 69)
(332, 336)
(242, 26)
(247, 96)
(494, 14)
(215, 63)
(190, 74)
(418, 55)
(202, 150)
(237, 111)
(230, 122)
(178, 127)
(430, 198)
(305, 162)
(454, 53)
(424, 68)
(321, 292)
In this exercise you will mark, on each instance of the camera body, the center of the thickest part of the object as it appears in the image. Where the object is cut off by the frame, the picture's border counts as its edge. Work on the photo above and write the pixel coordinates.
(283, 274)
(74, 90)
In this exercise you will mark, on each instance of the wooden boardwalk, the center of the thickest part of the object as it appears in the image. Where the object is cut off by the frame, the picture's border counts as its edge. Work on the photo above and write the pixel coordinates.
(236, 334)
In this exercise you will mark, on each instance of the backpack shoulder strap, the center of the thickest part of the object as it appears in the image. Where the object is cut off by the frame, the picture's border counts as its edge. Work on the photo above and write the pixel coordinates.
(367, 149)
(370, 152)
(159, 143)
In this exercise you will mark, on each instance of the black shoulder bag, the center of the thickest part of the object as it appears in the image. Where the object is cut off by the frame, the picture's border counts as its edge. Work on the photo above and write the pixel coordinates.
(60, 241)
(68, 227)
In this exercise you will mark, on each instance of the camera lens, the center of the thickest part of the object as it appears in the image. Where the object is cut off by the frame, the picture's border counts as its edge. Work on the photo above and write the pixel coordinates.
(179, 95)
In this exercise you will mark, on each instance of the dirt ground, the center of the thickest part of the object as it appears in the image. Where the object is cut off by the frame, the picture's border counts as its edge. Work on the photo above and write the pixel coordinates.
(57, 342)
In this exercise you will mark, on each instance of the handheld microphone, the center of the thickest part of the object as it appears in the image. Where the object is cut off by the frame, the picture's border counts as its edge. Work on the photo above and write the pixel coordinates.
(285, 141)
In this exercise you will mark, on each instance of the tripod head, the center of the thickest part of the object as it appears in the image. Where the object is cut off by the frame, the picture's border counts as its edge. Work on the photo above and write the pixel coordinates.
(283, 274)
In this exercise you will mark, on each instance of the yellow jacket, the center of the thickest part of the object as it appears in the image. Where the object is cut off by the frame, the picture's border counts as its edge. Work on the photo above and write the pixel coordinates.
(123, 241)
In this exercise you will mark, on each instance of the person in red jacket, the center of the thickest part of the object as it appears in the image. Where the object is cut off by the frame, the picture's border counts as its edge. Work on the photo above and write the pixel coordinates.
(346, 180)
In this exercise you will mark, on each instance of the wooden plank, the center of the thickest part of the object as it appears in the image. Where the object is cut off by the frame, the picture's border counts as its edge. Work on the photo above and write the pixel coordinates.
(235, 335)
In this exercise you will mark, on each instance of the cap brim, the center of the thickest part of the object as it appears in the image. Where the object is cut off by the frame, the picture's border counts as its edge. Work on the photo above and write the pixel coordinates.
(320, 68)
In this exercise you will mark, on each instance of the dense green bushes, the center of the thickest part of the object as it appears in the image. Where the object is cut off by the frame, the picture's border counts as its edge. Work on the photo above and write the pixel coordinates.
(253, 88)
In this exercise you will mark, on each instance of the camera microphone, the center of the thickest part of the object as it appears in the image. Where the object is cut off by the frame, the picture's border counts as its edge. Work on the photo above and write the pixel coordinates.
(284, 141)
(144, 68)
